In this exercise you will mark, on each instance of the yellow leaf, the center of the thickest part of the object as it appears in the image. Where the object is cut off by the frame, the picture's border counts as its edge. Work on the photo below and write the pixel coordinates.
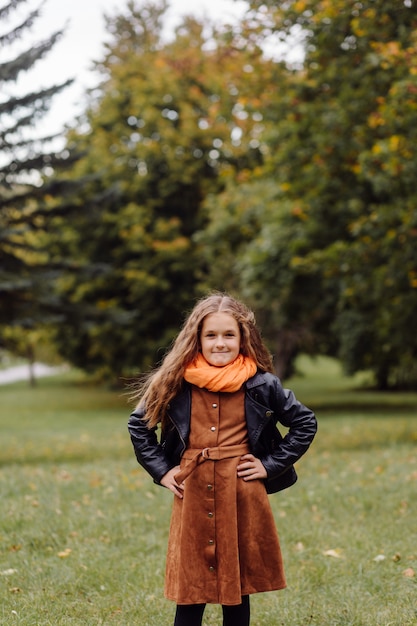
(333, 553)
(394, 142)
(65, 553)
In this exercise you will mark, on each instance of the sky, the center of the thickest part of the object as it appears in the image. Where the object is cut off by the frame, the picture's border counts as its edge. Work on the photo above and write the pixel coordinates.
(82, 43)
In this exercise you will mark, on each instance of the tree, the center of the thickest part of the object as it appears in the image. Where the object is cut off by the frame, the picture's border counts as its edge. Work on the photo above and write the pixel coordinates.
(170, 120)
(341, 156)
(25, 268)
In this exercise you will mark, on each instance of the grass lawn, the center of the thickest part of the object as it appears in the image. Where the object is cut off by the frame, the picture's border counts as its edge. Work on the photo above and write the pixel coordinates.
(83, 530)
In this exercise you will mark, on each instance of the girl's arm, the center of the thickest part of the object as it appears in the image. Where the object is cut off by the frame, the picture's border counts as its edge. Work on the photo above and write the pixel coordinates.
(268, 403)
(148, 450)
(302, 425)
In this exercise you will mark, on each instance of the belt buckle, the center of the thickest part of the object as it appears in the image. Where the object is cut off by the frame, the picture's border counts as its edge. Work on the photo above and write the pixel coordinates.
(205, 453)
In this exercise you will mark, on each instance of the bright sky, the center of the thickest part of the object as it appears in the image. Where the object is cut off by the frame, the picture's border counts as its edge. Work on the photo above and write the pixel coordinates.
(83, 43)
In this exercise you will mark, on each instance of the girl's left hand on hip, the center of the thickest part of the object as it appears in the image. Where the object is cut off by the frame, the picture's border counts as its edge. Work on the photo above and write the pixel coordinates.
(251, 468)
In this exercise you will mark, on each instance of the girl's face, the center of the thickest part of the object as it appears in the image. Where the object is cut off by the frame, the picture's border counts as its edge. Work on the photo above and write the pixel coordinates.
(220, 339)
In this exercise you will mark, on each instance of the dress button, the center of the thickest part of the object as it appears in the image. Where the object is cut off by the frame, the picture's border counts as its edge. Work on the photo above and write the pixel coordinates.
(211, 568)
(214, 405)
(210, 514)
(209, 487)
(211, 542)
(213, 428)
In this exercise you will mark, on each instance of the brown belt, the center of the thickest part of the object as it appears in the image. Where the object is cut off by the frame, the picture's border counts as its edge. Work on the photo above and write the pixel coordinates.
(197, 456)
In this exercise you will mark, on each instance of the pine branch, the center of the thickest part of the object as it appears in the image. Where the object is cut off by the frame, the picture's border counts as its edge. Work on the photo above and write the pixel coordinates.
(14, 34)
(9, 106)
(11, 145)
(13, 4)
(10, 70)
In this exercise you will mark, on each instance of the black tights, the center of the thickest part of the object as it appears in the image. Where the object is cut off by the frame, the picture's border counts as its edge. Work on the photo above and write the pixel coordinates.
(192, 614)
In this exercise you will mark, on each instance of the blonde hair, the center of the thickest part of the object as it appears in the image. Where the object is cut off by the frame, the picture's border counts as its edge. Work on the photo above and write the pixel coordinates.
(163, 384)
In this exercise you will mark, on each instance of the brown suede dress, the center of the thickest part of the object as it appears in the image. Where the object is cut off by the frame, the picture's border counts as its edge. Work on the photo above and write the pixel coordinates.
(223, 542)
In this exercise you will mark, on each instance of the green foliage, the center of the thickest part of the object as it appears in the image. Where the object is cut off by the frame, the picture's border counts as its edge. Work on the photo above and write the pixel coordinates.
(83, 529)
(206, 164)
(170, 121)
(333, 256)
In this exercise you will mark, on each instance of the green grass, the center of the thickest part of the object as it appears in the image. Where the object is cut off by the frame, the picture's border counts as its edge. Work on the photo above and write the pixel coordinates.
(83, 530)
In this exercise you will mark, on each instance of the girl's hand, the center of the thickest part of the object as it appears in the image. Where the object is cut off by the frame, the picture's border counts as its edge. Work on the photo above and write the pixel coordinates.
(168, 481)
(251, 468)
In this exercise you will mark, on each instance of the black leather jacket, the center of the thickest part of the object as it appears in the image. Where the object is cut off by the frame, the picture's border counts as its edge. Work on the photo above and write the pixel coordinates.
(266, 403)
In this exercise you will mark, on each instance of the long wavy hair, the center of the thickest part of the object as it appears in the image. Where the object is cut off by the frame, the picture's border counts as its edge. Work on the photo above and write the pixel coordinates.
(160, 386)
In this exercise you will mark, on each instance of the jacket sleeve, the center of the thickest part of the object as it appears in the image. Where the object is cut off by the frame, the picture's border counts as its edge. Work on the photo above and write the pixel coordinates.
(302, 425)
(148, 450)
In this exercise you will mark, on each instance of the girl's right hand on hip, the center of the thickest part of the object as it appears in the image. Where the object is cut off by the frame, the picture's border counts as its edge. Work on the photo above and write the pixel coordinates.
(168, 481)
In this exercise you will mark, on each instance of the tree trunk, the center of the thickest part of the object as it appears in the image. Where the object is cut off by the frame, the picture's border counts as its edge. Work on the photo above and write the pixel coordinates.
(30, 353)
(285, 354)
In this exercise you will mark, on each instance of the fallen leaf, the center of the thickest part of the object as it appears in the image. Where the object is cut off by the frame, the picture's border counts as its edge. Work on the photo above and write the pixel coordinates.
(403, 507)
(8, 572)
(396, 557)
(15, 548)
(64, 475)
(334, 553)
(409, 572)
(96, 481)
(65, 553)
(379, 558)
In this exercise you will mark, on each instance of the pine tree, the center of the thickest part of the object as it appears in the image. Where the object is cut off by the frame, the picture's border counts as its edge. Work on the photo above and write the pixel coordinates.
(26, 201)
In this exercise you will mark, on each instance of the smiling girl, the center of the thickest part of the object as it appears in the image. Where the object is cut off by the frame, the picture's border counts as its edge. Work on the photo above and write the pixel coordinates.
(217, 401)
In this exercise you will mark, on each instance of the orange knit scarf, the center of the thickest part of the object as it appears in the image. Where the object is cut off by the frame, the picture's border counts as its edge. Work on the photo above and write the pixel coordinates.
(227, 378)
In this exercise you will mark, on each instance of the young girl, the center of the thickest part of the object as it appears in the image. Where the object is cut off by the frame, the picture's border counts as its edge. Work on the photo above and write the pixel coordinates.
(220, 453)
